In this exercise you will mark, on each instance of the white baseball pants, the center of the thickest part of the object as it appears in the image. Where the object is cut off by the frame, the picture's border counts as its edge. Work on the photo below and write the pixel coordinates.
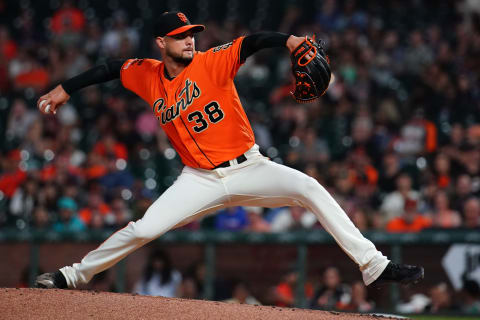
(255, 182)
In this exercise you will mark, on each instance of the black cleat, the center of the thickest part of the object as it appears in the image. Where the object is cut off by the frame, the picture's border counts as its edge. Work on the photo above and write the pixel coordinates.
(54, 280)
(399, 273)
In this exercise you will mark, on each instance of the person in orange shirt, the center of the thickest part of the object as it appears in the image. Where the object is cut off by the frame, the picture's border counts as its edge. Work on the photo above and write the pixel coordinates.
(410, 221)
(193, 96)
(96, 205)
(284, 292)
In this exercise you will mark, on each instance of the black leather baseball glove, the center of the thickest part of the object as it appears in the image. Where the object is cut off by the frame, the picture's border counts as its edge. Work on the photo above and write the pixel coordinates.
(312, 76)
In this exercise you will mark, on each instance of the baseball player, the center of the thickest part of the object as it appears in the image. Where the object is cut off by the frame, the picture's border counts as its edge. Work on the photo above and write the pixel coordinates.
(193, 96)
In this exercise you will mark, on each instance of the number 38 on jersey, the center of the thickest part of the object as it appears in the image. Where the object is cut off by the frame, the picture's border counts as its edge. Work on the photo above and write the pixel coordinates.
(212, 113)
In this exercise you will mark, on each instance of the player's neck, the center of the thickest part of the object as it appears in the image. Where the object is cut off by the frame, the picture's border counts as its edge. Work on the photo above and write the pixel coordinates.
(174, 68)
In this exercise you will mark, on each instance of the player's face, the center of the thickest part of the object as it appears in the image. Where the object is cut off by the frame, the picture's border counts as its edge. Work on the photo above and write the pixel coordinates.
(180, 47)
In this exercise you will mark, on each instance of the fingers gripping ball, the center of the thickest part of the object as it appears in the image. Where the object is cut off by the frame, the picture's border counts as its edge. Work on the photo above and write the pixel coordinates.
(47, 108)
(311, 69)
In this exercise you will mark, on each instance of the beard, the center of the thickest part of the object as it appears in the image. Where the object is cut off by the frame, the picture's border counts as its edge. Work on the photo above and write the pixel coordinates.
(179, 58)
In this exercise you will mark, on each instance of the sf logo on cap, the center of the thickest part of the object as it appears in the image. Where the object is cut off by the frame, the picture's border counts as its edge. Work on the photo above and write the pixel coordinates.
(182, 17)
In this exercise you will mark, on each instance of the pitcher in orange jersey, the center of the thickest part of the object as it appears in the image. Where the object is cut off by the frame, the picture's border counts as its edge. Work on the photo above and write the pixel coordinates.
(193, 96)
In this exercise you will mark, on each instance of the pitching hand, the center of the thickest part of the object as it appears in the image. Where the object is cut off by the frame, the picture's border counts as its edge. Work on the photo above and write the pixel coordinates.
(50, 102)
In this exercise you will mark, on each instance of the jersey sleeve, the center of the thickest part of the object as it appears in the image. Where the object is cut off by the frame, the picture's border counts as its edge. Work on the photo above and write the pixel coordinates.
(140, 76)
(223, 61)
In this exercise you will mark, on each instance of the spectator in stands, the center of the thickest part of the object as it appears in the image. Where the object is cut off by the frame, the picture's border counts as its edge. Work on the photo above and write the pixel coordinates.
(117, 176)
(8, 46)
(11, 176)
(57, 64)
(23, 201)
(121, 213)
(188, 289)
(159, 278)
(442, 170)
(93, 36)
(19, 120)
(284, 292)
(231, 219)
(455, 141)
(365, 174)
(362, 133)
(418, 136)
(241, 294)
(292, 218)
(358, 301)
(120, 36)
(394, 203)
(110, 147)
(360, 219)
(27, 72)
(418, 55)
(410, 220)
(344, 183)
(440, 299)
(41, 219)
(443, 216)
(312, 148)
(470, 297)
(96, 206)
(471, 213)
(48, 196)
(97, 221)
(331, 294)
(95, 166)
(198, 272)
(471, 159)
(428, 189)
(463, 191)
(67, 19)
(417, 303)
(76, 62)
(256, 222)
(68, 220)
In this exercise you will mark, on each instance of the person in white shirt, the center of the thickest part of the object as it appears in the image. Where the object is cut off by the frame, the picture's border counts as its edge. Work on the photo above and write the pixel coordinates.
(159, 278)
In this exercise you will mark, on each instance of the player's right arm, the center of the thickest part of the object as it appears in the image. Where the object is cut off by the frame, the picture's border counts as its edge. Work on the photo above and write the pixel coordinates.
(50, 102)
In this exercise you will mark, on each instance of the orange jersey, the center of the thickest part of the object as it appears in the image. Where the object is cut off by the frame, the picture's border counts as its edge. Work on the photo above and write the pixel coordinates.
(199, 110)
(400, 225)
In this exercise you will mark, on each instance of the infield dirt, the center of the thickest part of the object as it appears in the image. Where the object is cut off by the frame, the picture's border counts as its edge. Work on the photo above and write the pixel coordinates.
(77, 304)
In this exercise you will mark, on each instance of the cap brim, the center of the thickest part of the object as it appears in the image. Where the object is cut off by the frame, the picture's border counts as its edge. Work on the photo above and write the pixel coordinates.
(194, 27)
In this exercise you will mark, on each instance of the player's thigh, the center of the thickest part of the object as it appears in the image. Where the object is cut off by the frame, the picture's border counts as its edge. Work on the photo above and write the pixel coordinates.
(270, 184)
(189, 196)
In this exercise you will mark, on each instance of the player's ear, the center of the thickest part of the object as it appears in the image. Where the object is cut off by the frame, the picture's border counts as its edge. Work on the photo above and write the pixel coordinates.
(160, 42)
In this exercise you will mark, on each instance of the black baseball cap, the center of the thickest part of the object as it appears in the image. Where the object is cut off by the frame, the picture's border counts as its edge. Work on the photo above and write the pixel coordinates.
(174, 22)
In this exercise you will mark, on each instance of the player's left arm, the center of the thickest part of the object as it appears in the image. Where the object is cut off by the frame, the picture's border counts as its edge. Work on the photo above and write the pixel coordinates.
(310, 64)
(262, 40)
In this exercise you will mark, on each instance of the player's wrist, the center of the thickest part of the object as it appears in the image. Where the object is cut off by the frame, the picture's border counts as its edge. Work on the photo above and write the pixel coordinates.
(293, 42)
(63, 91)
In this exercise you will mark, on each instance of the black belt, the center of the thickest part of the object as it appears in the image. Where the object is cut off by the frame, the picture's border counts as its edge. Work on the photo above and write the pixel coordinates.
(225, 164)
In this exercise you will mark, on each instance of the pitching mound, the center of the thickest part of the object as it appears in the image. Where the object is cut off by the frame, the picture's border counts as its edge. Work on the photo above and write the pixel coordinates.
(74, 304)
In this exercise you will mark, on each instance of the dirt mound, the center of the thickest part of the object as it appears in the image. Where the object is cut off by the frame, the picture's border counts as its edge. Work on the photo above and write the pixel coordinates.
(75, 304)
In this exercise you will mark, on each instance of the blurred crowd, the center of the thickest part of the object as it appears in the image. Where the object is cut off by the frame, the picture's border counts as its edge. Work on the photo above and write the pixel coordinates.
(395, 139)
(324, 289)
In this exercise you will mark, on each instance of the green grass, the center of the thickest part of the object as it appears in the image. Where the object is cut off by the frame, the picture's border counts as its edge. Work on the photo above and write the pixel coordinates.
(444, 317)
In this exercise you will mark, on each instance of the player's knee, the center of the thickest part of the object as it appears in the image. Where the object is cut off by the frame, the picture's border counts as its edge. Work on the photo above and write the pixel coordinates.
(309, 188)
(144, 232)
